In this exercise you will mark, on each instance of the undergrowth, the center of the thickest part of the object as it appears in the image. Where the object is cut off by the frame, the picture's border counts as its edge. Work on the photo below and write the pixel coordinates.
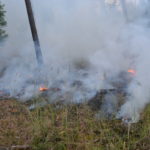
(69, 127)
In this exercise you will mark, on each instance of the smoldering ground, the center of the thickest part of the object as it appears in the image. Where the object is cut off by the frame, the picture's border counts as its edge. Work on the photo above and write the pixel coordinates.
(82, 42)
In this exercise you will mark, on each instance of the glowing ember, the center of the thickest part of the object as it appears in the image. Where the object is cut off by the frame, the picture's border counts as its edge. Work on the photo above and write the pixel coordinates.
(132, 71)
(42, 88)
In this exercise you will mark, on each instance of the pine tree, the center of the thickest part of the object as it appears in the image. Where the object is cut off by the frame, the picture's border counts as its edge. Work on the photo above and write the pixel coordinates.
(2, 22)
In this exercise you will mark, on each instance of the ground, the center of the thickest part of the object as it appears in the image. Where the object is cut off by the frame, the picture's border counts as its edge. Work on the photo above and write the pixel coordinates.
(69, 127)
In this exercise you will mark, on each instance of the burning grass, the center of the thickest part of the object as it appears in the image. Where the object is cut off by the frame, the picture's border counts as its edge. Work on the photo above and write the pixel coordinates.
(69, 127)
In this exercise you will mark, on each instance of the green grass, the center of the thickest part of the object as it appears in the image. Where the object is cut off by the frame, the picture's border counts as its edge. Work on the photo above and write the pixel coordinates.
(70, 127)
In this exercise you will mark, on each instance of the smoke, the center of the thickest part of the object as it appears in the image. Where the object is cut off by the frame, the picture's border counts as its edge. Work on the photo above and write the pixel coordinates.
(83, 44)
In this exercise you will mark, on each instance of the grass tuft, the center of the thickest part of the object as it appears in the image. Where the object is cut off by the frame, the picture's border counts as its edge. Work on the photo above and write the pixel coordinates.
(69, 127)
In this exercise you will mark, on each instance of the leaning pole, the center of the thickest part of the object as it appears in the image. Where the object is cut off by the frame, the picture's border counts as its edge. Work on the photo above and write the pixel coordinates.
(34, 32)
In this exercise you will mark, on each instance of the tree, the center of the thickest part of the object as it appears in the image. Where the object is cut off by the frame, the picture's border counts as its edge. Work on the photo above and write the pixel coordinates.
(2, 22)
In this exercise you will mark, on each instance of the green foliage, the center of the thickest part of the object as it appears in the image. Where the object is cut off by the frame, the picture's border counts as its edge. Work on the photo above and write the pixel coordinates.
(2, 22)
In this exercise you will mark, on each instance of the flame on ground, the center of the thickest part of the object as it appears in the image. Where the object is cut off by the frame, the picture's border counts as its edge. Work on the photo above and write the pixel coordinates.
(43, 88)
(132, 71)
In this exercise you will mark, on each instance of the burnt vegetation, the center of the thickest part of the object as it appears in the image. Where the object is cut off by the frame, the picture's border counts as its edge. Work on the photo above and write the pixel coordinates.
(70, 126)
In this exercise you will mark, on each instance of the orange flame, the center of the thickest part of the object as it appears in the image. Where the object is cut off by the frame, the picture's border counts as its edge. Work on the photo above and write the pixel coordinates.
(132, 71)
(42, 88)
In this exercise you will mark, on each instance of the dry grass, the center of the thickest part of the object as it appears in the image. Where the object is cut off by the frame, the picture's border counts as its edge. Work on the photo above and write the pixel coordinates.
(69, 127)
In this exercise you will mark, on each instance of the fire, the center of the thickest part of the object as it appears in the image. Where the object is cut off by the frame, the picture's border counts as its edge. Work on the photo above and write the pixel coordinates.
(132, 71)
(43, 88)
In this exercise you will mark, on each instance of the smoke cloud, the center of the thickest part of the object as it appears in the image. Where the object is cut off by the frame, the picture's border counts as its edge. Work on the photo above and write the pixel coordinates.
(83, 44)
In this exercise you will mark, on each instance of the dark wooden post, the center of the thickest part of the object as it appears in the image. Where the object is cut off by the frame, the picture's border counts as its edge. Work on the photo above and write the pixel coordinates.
(38, 51)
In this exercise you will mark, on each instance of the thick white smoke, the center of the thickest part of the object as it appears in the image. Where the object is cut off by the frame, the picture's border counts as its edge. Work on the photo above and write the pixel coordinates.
(82, 42)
